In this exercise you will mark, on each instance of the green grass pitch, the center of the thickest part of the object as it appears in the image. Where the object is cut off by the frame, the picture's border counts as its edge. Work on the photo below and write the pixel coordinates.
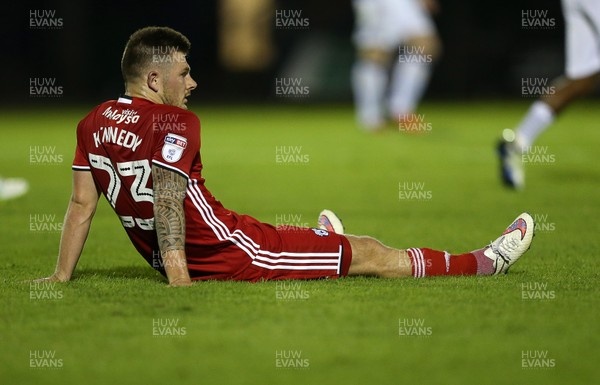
(117, 321)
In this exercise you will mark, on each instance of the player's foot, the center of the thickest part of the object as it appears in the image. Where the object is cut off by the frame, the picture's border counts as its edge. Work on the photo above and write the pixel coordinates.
(12, 188)
(374, 129)
(511, 161)
(330, 222)
(512, 244)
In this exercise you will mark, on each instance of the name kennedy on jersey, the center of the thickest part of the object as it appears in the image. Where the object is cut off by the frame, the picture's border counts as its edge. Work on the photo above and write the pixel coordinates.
(117, 136)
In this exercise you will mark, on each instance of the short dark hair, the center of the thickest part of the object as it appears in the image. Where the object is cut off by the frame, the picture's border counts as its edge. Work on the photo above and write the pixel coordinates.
(144, 43)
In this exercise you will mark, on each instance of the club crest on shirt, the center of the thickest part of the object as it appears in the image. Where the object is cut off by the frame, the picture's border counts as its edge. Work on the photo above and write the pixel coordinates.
(173, 147)
(320, 232)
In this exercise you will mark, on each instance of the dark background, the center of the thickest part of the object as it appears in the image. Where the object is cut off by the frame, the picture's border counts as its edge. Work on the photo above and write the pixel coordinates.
(486, 51)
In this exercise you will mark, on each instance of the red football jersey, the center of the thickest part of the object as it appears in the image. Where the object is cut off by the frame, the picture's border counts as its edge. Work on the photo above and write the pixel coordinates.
(120, 140)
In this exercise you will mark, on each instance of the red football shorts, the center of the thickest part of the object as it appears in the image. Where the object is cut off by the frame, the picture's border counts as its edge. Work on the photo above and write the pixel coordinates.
(263, 252)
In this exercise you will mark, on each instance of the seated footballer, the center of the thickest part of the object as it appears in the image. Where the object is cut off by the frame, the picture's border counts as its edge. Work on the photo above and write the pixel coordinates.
(152, 178)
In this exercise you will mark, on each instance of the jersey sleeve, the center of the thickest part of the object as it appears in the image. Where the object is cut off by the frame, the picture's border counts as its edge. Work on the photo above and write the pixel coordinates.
(81, 162)
(177, 143)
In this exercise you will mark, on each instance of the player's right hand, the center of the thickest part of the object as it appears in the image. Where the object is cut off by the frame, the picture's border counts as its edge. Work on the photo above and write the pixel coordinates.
(53, 278)
(180, 282)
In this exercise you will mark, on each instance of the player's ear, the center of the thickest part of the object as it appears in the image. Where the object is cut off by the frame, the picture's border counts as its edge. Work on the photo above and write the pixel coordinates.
(152, 80)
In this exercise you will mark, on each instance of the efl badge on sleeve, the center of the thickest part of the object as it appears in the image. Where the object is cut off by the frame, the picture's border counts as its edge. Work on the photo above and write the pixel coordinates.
(173, 148)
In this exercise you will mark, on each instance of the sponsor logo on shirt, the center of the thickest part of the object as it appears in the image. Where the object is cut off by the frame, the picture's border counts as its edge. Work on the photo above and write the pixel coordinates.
(121, 116)
(171, 139)
(173, 147)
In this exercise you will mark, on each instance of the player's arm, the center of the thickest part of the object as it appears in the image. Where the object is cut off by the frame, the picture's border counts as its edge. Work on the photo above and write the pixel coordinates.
(169, 222)
(76, 226)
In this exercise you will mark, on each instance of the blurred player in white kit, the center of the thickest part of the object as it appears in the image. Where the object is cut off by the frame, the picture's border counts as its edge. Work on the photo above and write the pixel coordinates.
(11, 188)
(582, 75)
(400, 32)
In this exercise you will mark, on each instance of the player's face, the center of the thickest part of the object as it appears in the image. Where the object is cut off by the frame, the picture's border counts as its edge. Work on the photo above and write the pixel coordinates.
(178, 84)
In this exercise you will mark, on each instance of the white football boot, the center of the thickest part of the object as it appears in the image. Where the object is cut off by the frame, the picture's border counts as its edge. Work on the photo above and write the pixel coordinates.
(513, 243)
(511, 161)
(330, 222)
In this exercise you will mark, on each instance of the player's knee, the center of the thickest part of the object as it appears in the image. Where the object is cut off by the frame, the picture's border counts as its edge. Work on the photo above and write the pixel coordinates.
(376, 55)
(567, 90)
(365, 245)
(429, 45)
(586, 85)
(436, 47)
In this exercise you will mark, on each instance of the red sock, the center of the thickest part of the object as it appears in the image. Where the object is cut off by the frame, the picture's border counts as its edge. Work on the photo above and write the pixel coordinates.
(428, 262)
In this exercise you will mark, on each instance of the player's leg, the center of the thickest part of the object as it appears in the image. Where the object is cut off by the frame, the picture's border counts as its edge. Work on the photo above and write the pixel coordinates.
(371, 257)
(543, 112)
(369, 82)
(411, 73)
(582, 75)
(567, 90)
(582, 70)
(416, 55)
(376, 39)
(538, 118)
